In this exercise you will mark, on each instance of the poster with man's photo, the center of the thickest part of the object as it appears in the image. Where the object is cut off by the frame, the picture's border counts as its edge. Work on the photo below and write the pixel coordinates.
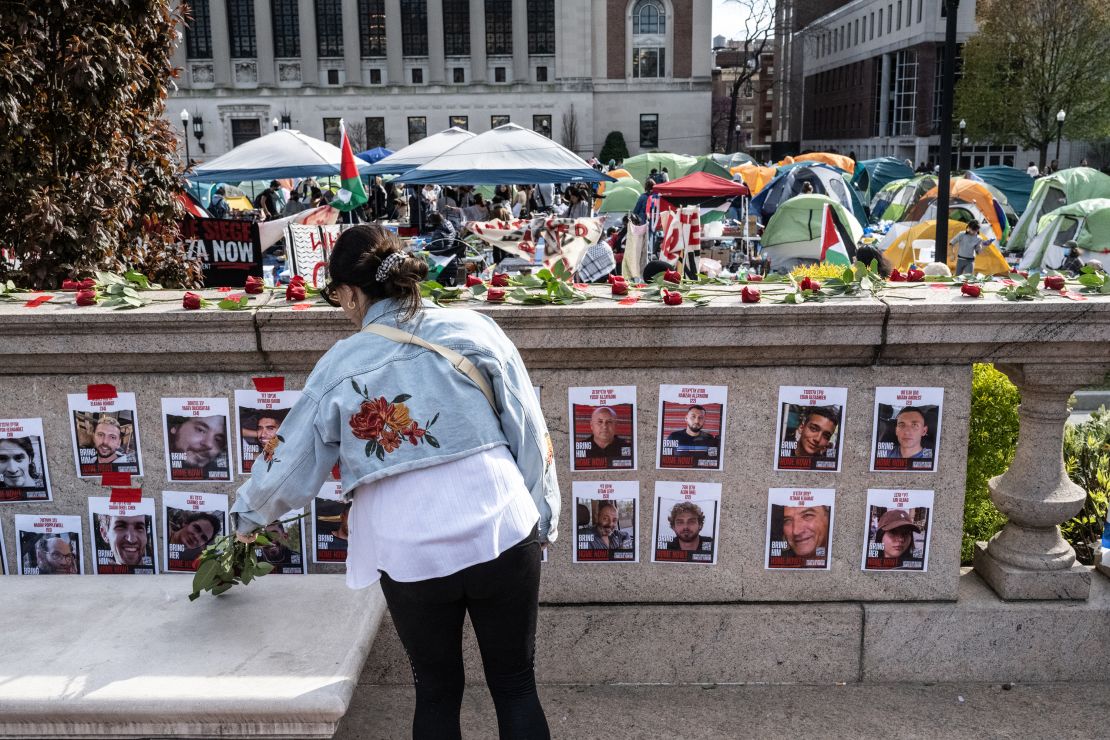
(799, 528)
(258, 417)
(105, 435)
(48, 545)
(24, 474)
(810, 428)
(603, 428)
(123, 536)
(192, 522)
(606, 517)
(686, 524)
(691, 427)
(196, 438)
(329, 524)
(898, 529)
(286, 548)
(906, 432)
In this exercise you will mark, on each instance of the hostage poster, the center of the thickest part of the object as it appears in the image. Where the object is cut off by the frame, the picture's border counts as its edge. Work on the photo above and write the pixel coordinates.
(906, 432)
(565, 240)
(24, 474)
(123, 536)
(799, 528)
(229, 249)
(329, 524)
(196, 438)
(105, 435)
(691, 427)
(48, 545)
(810, 428)
(192, 522)
(285, 550)
(686, 524)
(897, 529)
(605, 521)
(603, 428)
(258, 417)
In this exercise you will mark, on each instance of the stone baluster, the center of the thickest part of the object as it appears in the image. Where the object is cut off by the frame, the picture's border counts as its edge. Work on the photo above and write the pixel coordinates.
(1029, 559)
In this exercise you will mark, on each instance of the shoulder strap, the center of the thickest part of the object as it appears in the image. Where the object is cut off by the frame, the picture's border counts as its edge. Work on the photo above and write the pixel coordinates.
(460, 363)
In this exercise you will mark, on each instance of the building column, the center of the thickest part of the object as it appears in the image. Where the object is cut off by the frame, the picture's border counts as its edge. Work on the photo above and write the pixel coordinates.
(352, 48)
(310, 65)
(394, 52)
(264, 40)
(436, 62)
(221, 44)
(600, 53)
(884, 97)
(520, 41)
(1029, 559)
(478, 70)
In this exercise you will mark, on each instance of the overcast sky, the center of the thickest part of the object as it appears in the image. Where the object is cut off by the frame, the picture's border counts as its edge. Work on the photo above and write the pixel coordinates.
(728, 18)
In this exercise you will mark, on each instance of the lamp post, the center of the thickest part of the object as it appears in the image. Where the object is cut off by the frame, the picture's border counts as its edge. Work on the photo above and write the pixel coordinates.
(198, 131)
(960, 146)
(185, 133)
(1059, 132)
(948, 84)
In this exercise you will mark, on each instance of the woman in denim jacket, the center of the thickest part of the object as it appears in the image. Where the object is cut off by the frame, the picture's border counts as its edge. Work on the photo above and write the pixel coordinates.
(451, 498)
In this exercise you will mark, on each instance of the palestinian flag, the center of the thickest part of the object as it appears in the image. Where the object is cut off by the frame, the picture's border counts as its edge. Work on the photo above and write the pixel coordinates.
(351, 194)
(833, 248)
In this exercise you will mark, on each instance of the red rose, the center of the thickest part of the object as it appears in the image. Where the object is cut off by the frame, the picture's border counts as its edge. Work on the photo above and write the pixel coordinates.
(619, 287)
(86, 298)
(71, 285)
(297, 280)
(500, 280)
(254, 285)
(750, 295)
(896, 276)
(495, 295)
(971, 289)
(672, 276)
(87, 284)
(672, 298)
(1023, 273)
(755, 278)
(191, 301)
(615, 279)
(472, 280)
(369, 421)
(1054, 282)
(809, 283)
(294, 292)
(915, 275)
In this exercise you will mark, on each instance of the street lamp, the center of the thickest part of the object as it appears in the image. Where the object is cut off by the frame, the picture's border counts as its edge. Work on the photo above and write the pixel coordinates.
(948, 84)
(185, 132)
(1059, 132)
(198, 131)
(960, 145)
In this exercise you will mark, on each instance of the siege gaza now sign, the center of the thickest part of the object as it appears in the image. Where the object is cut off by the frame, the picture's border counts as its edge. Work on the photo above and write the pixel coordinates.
(229, 249)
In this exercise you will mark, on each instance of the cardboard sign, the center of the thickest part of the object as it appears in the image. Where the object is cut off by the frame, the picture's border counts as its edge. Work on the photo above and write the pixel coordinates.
(229, 248)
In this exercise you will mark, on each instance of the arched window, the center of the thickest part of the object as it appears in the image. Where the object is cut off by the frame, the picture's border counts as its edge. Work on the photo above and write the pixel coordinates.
(648, 17)
(649, 39)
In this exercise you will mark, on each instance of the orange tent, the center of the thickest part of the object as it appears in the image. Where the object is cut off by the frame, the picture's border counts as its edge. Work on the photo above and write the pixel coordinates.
(901, 252)
(754, 176)
(619, 173)
(839, 161)
(968, 191)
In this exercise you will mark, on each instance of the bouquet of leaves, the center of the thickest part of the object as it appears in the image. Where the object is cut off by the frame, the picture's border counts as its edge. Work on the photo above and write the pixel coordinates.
(229, 561)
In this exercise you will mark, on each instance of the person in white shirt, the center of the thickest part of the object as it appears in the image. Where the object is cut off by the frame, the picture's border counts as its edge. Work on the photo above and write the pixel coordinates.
(1032, 170)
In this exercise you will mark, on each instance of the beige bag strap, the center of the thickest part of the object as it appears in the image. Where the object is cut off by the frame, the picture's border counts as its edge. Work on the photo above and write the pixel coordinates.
(460, 363)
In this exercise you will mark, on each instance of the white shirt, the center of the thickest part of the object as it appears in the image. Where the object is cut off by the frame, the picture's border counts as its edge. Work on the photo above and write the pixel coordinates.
(1032, 171)
(435, 521)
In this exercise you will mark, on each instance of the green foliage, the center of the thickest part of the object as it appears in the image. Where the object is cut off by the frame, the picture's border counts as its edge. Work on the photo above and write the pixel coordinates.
(1087, 459)
(614, 148)
(992, 439)
(228, 561)
(87, 165)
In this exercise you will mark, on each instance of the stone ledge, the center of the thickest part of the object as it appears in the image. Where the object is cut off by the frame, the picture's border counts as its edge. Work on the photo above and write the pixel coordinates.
(279, 658)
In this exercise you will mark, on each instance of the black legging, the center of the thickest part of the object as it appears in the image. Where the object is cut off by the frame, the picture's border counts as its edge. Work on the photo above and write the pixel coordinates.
(501, 596)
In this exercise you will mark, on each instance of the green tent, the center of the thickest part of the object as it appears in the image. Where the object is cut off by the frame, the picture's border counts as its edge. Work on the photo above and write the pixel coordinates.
(620, 196)
(1052, 192)
(641, 165)
(793, 235)
(1014, 183)
(1085, 221)
(706, 163)
(896, 197)
(728, 161)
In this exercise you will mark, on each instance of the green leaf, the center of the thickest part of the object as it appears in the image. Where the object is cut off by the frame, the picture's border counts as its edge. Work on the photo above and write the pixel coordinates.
(401, 398)
(431, 440)
(355, 386)
(261, 539)
(264, 568)
(380, 452)
(433, 421)
(371, 447)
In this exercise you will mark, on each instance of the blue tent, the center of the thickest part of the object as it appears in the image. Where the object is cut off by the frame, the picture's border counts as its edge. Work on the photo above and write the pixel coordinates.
(791, 179)
(1014, 184)
(373, 155)
(872, 174)
(419, 152)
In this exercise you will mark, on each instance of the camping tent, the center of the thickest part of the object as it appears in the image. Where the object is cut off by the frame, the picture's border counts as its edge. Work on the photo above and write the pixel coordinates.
(712, 194)
(901, 250)
(728, 161)
(824, 179)
(896, 197)
(419, 152)
(793, 235)
(1015, 184)
(963, 192)
(1053, 191)
(376, 154)
(281, 154)
(1085, 221)
(754, 176)
(506, 154)
(641, 165)
(873, 174)
(620, 196)
(706, 163)
(843, 163)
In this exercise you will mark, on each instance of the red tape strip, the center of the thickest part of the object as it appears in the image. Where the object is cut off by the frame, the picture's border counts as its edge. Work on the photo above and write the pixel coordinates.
(37, 301)
(115, 479)
(269, 385)
(126, 495)
(101, 391)
(335, 472)
(302, 306)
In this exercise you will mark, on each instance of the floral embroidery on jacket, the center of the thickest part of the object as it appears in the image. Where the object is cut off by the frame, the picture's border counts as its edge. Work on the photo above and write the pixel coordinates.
(386, 425)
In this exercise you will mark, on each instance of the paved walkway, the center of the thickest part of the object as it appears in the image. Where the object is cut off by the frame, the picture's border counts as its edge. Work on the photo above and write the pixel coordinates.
(936, 711)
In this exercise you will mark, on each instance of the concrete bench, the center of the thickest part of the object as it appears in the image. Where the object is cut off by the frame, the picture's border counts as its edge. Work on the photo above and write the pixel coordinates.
(131, 657)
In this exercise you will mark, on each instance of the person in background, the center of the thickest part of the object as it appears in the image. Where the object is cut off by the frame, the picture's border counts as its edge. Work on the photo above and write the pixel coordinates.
(868, 254)
(1032, 170)
(268, 200)
(295, 205)
(218, 207)
(968, 246)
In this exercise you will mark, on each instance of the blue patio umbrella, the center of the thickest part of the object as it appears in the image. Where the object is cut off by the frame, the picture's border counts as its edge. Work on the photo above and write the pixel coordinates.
(373, 155)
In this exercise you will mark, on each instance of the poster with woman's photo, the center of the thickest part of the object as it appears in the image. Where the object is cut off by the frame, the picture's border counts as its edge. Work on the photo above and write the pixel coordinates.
(603, 428)
(258, 417)
(687, 521)
(799, 528)
(23, 468)
(898, 524)
(196, 438)
(906, 433)
(105, 435)
(329, 524)
(691, 427)
(123, 536)
(48, 545)
(810, 428)
(606, 517)
(286, 548)
(192, 521)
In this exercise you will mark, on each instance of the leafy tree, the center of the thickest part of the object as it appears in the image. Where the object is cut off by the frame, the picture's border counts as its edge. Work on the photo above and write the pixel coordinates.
(87, 164)
(1031, 59)
(614, 147)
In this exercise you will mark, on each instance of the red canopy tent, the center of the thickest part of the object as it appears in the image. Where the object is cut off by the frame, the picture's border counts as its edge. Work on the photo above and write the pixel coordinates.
(697, 189)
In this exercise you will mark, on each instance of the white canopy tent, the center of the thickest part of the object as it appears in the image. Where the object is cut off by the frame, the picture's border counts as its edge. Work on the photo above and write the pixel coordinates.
(281, 154)
(419, 152)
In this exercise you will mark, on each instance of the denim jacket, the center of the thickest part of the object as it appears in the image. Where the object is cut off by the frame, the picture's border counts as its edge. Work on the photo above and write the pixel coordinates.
(380, 408)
